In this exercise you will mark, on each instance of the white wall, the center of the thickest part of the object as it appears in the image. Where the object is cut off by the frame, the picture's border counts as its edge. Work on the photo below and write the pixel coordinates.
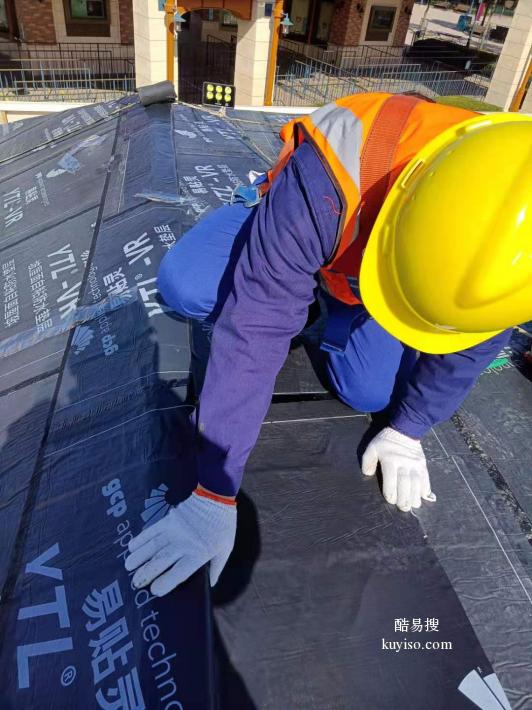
(11, 111)
(513, 59)
(251, 63)
(150, 42)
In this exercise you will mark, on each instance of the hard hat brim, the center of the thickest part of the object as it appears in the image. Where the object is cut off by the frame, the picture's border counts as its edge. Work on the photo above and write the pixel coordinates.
(385, 302)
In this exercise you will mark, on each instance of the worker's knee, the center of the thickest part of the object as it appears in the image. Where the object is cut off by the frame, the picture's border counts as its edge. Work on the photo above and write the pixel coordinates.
(366, 389)
(181, 289)
(366, 373)
(196, 274)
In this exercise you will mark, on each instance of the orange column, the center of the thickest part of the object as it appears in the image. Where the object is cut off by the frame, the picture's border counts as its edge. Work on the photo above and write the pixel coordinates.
(517, 100)
(274, 47)
(169, 9)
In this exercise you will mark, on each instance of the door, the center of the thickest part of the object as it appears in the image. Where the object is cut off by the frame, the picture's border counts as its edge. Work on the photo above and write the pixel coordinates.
(323, 19)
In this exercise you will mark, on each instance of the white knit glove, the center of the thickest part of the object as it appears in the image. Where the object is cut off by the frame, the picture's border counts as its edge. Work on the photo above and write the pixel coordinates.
(197, 531)
(405, 478)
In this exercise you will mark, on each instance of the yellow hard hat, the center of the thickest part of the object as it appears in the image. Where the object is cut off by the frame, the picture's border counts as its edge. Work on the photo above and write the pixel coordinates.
(449, 260)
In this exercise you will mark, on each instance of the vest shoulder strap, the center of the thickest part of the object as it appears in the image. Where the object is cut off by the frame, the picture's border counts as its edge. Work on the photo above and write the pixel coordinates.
(378, 156)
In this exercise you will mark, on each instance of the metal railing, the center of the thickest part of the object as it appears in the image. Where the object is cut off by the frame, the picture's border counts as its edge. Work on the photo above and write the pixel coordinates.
(344, 57)
(477, 41)
(108, 54)
(351, 59)
(361, 53)
(313, 82)
(500, 8)
(61, 84)
(66, 72)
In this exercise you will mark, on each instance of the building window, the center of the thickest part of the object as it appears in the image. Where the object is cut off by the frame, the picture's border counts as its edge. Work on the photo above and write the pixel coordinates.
(228, 20)
(87, 18)
(8, 19)
(87, 9)
(4, 22)
(323, 24)
(312, 20)
(299, 14)
(380, 24)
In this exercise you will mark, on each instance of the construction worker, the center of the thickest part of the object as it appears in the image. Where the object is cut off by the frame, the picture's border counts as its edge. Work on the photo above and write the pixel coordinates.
(415, 312)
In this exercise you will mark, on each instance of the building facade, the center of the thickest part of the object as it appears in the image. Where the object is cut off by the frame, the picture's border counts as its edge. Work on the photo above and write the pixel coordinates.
(349, 23)
(67, 21)
(246, 25)
(514, 61)
(325, 23)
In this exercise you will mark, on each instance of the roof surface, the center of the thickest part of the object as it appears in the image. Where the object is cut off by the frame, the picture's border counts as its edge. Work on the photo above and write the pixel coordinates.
(94, 403)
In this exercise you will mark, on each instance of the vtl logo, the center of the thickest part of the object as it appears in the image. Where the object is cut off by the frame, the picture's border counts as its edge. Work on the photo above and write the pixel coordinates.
(57, 608)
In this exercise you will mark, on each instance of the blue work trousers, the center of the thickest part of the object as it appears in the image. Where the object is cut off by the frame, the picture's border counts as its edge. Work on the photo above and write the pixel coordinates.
(366, 366)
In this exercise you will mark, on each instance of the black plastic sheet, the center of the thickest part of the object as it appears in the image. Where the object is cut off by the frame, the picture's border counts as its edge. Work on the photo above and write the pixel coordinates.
(95, 443)
(334, 569)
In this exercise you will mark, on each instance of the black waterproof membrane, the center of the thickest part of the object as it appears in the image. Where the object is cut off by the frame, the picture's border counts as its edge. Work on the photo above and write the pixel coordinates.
(331, 599)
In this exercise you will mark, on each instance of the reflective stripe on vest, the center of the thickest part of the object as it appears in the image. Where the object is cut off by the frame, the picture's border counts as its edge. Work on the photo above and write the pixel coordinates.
(364, 141)
(343, 131)
(376, 162)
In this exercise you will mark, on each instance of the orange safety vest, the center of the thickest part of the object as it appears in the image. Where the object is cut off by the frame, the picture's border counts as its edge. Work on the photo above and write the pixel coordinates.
(364, 142)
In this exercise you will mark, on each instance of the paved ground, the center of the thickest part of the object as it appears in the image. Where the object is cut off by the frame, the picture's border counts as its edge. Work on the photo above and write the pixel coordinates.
(445, 21)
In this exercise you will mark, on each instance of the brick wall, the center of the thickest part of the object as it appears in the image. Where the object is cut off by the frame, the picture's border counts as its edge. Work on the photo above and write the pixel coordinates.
(126, 21)
(346, 24)
(36, 21)
(403, 21)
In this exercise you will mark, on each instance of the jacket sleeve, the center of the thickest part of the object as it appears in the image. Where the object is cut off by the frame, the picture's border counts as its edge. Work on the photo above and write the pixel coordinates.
(439, 384)
(292, 236)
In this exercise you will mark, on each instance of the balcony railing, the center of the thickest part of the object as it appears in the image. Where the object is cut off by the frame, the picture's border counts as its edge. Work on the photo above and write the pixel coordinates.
(313, 82)
(66, 72)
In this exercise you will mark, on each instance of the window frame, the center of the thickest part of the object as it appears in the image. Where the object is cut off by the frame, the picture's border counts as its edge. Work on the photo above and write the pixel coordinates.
(376, 37)
(87, 26)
